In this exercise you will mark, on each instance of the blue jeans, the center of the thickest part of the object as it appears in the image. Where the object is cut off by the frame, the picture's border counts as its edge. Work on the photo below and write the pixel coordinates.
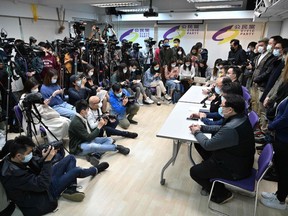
(99, 145)
(65, 173)
(172, 85)
(65, 109)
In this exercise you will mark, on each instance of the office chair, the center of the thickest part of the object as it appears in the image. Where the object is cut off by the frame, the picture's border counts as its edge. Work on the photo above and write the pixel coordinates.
(253, 118)
(250, 184)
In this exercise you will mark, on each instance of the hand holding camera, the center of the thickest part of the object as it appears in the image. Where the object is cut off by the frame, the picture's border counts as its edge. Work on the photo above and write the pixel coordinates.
(125, 101)
(49, 153)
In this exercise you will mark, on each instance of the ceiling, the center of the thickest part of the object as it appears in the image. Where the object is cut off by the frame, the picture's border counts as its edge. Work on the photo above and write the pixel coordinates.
(161, 5)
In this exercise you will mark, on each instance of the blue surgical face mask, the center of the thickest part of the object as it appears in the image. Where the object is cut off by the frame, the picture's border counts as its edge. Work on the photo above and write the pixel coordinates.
(217, 90)
(27, 158)
(220, 111)
(269, 47)
(276, 52)
(119, 94)
(53, 81)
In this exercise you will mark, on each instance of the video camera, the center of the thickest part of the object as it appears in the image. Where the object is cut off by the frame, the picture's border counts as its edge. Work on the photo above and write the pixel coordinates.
(79, 27)
(150, 41)
(32, 98)
(126, 44)
(131, 99)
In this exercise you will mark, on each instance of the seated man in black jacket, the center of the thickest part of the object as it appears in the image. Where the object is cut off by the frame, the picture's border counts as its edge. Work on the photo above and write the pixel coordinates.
(34, 184)
(229, 153)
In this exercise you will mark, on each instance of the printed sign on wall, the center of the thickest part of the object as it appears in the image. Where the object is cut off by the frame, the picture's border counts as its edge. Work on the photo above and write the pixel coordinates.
(219, 35)
(189, 34)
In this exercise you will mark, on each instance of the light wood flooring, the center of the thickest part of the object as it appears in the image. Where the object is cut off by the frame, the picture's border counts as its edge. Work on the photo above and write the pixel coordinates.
(131, 185)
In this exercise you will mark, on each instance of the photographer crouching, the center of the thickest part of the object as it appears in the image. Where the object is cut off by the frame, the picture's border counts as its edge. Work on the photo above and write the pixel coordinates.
(34, 184)
(95, 114)
(123, 106)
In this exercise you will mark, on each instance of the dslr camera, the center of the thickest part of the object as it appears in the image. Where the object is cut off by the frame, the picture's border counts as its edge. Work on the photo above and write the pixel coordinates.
(106, 117)
(55, 144)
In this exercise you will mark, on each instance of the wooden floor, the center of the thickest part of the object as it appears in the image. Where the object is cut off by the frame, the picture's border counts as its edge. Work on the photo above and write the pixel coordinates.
(131, 185)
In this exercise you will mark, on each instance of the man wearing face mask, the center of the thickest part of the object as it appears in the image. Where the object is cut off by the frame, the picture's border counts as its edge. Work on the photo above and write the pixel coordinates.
(178, 51)
(78, 91)
(272, 42)
(95, 114)
(34, 183)
(121, 107)
(229, 153)
(261, 63)
(166, 54)
(236, 54)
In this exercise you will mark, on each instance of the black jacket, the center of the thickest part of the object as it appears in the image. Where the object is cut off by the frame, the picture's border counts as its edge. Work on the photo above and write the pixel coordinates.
(238, 57)
(232, 146)
(28, 188)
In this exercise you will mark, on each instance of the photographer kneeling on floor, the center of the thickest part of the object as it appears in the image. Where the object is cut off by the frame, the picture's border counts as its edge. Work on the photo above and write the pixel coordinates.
(123, 106)
(34, 184)
(95, 114)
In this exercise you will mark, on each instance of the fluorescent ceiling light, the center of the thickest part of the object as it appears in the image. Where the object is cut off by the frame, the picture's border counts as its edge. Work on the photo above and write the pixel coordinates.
(217, 6)
(134, 9)
(116, 4)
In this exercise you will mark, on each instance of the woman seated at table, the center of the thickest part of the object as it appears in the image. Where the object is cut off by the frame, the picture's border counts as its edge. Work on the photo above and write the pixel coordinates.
(187, 73)
(171, 73)
(52, 91)
(57, 124)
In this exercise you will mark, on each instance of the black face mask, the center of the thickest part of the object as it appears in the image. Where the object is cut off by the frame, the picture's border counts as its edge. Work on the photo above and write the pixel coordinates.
(232, 48)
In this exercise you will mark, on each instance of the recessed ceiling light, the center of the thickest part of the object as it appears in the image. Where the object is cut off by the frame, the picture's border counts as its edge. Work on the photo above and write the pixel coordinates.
(217, 6)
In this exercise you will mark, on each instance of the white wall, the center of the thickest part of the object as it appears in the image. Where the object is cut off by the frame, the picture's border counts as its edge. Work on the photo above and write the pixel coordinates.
(272, 29)
(46, 28)
(284, 29)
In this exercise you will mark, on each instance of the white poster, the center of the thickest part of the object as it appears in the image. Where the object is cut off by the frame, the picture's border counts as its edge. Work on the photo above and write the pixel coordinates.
(136, 33)
(219, 35)
(189, 34)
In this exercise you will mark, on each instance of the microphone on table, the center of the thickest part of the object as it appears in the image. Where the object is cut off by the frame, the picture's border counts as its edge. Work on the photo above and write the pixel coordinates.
(206, 98)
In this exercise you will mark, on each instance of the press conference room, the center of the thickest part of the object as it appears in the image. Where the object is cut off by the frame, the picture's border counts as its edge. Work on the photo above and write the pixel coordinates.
(144, 107)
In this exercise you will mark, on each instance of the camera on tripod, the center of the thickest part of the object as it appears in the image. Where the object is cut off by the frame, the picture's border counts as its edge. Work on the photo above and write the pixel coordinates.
(79, 27)
(150, 41)
(32, 98)
(126, 44)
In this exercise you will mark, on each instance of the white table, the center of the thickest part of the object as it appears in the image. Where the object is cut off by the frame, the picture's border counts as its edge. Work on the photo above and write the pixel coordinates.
(194, 95)
(176, 127)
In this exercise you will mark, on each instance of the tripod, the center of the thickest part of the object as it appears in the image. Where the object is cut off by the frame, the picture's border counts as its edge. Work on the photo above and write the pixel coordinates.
(30, 121)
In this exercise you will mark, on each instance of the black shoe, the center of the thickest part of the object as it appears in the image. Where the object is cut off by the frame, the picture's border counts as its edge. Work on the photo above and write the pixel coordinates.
(123, 150)
(93, 160)
(102, 166)
(222, 199)
(72, 194)
(131, 135)
(97, 155)
(132, 121)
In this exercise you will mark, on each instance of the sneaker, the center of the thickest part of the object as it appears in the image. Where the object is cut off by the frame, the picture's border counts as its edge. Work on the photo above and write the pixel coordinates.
(97, 155)
(132, 121)
(273, 202)
(139, 102)
(167, 97)
(101, 167)
(122, 150)
(148, 101)
(222, 199)
(73, 195)
(93, 160)
(268, 195)
(130, 135)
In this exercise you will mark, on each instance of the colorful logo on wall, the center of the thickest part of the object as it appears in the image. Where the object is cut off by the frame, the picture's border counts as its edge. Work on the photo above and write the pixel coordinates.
(175, 32)
(130, 35)
(225, 34)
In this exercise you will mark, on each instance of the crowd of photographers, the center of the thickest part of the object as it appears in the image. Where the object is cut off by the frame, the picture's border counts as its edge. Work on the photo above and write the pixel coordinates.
(86, 87)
